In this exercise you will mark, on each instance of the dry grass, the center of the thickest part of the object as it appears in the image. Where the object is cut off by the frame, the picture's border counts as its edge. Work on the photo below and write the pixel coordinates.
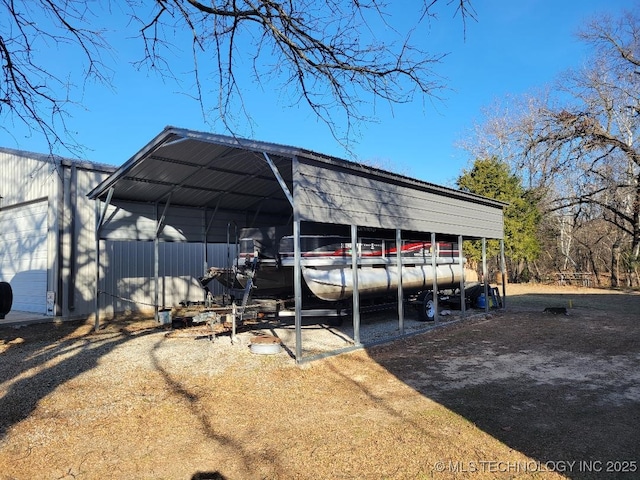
(496, 397)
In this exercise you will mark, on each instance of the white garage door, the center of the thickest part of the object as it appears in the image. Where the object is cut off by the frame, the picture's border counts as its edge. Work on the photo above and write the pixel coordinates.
(23, 255)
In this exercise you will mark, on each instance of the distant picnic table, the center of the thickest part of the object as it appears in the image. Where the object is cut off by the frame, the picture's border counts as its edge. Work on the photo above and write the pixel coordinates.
(574, 278)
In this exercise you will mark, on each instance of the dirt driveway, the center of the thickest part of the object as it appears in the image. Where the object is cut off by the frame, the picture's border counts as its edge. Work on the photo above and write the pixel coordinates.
(518, 394)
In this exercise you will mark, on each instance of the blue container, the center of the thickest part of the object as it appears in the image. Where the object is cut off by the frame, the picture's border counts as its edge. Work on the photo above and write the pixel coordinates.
(481, 302)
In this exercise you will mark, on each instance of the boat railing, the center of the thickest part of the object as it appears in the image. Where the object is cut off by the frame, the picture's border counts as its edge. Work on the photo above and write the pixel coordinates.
(328, 261)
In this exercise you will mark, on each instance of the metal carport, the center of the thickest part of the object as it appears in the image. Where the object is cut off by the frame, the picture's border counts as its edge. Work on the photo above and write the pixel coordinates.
(190, 186)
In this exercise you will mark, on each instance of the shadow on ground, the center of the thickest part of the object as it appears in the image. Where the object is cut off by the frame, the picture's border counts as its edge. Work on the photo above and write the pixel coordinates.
(558, 388)
(53, 354)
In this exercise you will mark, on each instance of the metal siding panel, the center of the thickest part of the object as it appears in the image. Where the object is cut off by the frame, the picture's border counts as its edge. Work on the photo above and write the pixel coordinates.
(129, 278)
(26, 177)
(331, 196)
(182, 224)
(24, 257)
(85, 254)
(129, 221)
(134, 221)
(225, 224)
(23, 178)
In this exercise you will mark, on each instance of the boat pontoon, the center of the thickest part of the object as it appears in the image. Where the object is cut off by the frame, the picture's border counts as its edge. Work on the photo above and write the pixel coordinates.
(265, 264)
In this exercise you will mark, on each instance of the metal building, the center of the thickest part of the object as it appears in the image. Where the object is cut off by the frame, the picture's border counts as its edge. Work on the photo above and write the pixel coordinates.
(44, 218)
(48, 245)
(188, 186)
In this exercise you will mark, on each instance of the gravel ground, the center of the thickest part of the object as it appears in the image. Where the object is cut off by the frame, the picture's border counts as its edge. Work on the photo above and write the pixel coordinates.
(518, 387)
(322, 337)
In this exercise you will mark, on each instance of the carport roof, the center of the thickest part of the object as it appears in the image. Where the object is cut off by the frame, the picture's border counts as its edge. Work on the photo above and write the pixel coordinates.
(198, 169)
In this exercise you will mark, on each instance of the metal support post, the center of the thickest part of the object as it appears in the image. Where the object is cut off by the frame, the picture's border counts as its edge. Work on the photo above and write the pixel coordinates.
(463, 306)
(434, 266)
(356, 293)
(484, 275)
(400, 292)
(503, 270)
(297, 288)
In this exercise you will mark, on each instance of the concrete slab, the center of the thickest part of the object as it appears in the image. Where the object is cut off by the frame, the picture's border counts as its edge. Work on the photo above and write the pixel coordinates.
(24, 318)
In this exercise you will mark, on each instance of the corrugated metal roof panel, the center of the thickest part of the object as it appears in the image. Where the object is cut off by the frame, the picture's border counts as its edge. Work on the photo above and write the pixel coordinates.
(219, 173)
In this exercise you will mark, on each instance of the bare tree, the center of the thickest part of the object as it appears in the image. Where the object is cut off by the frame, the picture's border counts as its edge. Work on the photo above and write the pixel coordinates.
(335, 55)
(578, 141)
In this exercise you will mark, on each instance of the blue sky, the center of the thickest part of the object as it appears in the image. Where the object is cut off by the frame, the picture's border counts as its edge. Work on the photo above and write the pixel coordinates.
(513, 48)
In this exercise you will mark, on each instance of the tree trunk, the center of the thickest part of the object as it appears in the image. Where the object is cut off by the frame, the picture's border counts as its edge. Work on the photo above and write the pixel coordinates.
(594, 268)
(635, 241)
(536, 268)
(615, 258)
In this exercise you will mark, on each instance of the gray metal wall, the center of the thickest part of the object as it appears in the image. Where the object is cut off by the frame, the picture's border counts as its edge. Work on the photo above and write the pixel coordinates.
(128, 282)
(137, 221)
(26, 177)
(336, 196)
(76, 253)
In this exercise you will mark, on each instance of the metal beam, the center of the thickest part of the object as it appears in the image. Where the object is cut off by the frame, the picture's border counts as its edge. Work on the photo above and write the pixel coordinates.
(400, 291)
(160, 222)
(100, 215)
(103, 213)
(279, 178)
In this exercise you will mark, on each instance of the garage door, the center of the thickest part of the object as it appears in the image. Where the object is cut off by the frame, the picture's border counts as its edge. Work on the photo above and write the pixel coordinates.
(23, 255)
